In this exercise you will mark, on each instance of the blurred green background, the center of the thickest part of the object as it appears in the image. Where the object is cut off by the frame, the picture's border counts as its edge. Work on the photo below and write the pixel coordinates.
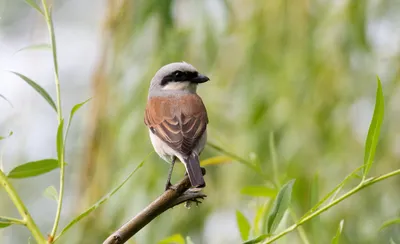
(304, 70)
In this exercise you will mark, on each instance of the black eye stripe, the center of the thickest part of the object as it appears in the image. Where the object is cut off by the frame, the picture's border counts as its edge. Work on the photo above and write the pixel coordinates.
(179, 76)
(179, 73)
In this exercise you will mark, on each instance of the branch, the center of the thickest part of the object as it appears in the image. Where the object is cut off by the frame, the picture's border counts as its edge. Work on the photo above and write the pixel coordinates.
(23, 211)
(176, 195)
(307, 217)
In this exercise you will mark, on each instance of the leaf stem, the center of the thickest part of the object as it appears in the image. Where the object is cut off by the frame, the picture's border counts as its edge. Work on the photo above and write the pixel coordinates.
(50, 27)
(14, 220)
(356, 189)
(236, 157)
(23, 211)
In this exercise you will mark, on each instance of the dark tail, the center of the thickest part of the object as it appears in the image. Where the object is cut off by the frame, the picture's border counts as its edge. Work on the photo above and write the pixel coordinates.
(193, 169)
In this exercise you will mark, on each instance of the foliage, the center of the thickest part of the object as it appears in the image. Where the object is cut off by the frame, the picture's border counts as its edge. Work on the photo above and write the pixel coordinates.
(290, 97)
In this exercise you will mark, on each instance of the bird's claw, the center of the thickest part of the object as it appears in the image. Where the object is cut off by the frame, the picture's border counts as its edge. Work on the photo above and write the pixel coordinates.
(198, 200)
(169, 186)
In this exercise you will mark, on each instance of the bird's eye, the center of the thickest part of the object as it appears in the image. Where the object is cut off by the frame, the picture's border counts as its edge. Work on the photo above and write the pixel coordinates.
(178, 74)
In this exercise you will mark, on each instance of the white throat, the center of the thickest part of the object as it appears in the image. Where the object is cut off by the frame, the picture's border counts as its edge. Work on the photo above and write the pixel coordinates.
(180, 86)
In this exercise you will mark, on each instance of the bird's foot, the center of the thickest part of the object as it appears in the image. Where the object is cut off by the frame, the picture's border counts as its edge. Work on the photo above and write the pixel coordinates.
(169, 186)
(197, 200)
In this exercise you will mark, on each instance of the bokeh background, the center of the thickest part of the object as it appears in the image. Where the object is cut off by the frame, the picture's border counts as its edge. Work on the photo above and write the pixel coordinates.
(304, 70)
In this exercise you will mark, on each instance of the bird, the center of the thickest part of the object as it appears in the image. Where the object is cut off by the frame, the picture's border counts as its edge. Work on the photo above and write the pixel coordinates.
(177, 120)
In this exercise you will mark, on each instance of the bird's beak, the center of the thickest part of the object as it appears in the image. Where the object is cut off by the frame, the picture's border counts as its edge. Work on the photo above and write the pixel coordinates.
(200, 79)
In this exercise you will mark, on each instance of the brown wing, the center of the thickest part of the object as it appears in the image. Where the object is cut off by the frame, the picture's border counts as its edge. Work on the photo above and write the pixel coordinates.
(178, 121)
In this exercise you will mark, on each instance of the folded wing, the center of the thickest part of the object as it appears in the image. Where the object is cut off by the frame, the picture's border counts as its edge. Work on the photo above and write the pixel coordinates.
(178, 121)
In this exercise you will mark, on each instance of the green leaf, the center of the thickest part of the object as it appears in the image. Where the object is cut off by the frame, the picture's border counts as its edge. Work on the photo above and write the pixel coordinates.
(33, 168)
(274, 158)
(243, 224)
(264, 222)
(335, 239)
(37, 88)
(257, 240)
(34, 5)
(53, 40)
(101, 201)
(258, 219)
(51, 193)
(60, 141)
(7, 221)
(258, 191)
(389, 223)
(174, 239)
(4, 222)
(216, 160)
(4, 137)
(374, 130)
(42, 46)
(189, 240)
(73, 111)
(6, 100)
(391, 241)
(279, 207)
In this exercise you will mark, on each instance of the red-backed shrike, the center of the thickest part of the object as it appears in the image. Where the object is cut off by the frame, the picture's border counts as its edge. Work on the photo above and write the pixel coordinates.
(177, 118)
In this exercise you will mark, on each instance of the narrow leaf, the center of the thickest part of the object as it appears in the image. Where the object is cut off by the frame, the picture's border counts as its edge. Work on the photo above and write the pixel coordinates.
(7, 221)
(42, 46)
(374, 130)
(33, 168)
(77, 107)
(73, 111)
(174, 239)
(60, 141)
(257, 240)
(51, 193)
(101, 201)
(267, 208)
(4, 222)
(391, 241)
(6, 100)
(34, 5)
(37, 88)
(53, 41)
(243, 225)
(4, 137)
(335, 239)
(189, 240)
(257, 221)
(216, 160)
(389, 223)
(258, 191)
(279, 207)
(274, 158)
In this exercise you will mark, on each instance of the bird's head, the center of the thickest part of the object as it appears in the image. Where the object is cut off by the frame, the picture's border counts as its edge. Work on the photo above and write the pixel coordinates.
(177, 77)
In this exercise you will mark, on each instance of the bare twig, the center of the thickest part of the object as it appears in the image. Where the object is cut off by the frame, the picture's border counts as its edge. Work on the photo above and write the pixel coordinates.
(178, 194)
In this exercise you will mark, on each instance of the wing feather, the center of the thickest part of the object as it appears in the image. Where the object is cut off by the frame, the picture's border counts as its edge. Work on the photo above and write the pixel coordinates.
(179, 121)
